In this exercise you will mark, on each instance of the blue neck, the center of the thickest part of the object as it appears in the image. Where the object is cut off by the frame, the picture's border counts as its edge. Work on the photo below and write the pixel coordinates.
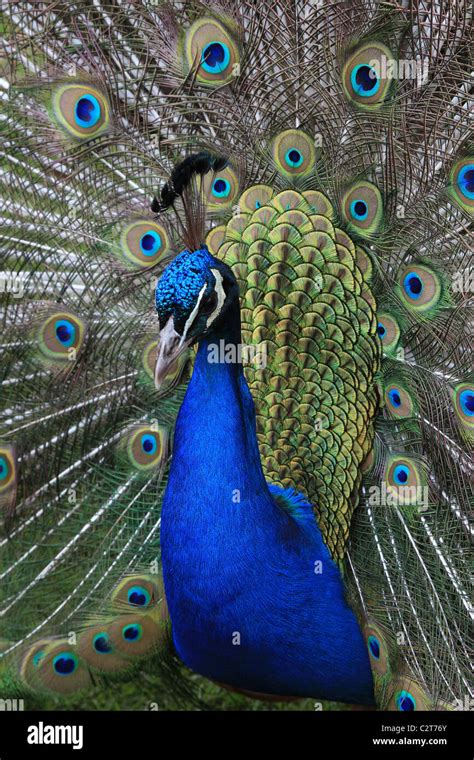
(216, 433)
(236, 562)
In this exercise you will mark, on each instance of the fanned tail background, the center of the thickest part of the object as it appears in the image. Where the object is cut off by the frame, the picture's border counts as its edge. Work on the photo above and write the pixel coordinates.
(85, 438)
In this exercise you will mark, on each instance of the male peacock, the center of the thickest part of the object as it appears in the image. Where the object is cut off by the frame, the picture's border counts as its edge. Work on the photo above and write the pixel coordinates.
(317, 185)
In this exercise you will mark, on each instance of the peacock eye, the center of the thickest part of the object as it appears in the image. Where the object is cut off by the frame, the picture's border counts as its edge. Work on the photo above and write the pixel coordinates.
(399, 401)
(420, 288)
(401, 474)
(294, 154)
(374, 647)
(362, 208)
(81, 110)
(467, 402)
(138, 596)
(65, 332)
(405, 701)
(132, 632)
(209, 303)
(388, 332)
(221, 187)
(211, 46)
(101, 643)
(364, 80)
(58, 335)
(464, 406)
(294, 158)
(365, 76)
(466, 181)
(145, 446)
(215, 57)
(394, 396)
(65, 664)
(413, 285)
(221, 191)
(143, 243)
(88, 111)
(359, 210)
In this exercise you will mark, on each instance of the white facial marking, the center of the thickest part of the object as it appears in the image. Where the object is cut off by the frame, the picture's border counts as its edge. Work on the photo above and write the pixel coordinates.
(220, 297)
(192, 316)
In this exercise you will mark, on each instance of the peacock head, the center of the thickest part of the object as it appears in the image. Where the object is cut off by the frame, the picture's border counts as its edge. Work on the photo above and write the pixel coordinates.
(192, 298)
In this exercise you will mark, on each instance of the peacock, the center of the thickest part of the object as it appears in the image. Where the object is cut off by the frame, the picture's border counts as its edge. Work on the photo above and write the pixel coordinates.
(236, 367)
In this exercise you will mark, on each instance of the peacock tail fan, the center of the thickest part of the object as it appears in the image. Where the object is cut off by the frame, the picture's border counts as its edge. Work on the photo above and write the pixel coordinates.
(343, 207)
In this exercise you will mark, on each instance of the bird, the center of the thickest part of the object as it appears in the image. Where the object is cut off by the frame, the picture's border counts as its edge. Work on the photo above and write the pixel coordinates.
(236, 365)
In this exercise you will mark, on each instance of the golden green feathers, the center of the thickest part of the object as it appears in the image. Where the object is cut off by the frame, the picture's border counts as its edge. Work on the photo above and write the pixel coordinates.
(305, 294)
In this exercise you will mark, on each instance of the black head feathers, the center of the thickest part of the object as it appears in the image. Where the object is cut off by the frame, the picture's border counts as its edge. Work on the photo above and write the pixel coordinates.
(198, 163)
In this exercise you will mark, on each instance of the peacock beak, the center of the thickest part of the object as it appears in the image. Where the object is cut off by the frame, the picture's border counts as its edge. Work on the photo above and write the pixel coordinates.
(170, 347)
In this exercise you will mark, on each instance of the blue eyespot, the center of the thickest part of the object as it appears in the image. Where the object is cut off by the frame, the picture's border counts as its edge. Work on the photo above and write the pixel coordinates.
(215, 57)
(87, 111)
(394, 397)
(401, 474)
(374, 647)
(221, 188)
(132, 632)
(138, 596)
(3, 468)
(359, 210)
(465, 180)
(257, 204)
(65, 332)
(381, 330)
(148, 444)
(466, 399)
(37, 658)
(364, 80)
(294, 158)
(65, 664)
(412, 285)
(405, 701)
(101, 643)
(150, 243)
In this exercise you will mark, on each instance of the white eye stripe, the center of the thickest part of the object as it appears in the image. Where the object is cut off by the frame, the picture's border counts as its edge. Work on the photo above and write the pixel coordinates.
(219, 289)
(192, 316)
(221, 296)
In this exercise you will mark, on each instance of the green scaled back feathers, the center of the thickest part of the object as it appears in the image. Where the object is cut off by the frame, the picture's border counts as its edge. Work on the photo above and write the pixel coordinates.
(308, 309)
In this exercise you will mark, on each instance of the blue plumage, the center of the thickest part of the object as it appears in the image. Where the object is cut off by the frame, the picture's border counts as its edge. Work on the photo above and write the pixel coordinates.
(255, 599)
(179, 286)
